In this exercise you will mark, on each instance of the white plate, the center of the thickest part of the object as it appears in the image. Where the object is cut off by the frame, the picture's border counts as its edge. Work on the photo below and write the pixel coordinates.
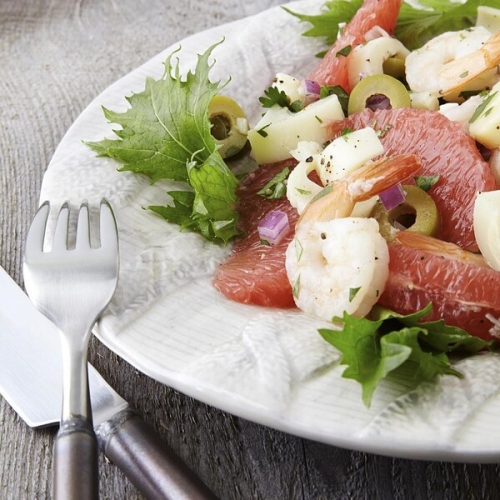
(265, 365)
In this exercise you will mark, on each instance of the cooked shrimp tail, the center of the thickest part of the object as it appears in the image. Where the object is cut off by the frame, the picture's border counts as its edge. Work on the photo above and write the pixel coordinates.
(338, 199)
(458, 73)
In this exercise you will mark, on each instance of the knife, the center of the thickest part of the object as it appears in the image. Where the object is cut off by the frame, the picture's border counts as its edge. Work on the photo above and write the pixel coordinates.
(31, 382)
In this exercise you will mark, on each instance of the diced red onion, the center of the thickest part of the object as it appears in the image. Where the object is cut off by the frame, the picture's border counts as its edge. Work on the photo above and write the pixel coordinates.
(311, 87)
(485, 152)
(274, 227)
(378, 101)
(392, 197)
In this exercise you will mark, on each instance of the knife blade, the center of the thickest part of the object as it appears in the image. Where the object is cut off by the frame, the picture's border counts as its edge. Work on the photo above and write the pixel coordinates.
(31, 382)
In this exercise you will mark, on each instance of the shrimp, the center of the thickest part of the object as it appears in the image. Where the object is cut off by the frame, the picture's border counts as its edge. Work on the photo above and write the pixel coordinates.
(336, 262)
(455, 61)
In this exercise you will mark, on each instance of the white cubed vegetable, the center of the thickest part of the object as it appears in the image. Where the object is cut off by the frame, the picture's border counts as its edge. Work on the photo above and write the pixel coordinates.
(368, 58)
(425, 100)
(290, 85)
(341, 157)
(347, 153)
(489, 18)
(279, 130)
(306, 149)
(461, 113)
(484, 126)
(487, 226)
(300, 190)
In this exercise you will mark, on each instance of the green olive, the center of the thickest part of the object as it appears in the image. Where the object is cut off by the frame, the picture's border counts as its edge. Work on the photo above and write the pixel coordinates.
(378, 87)
(395, 67)
(229, 125)
(418, 213)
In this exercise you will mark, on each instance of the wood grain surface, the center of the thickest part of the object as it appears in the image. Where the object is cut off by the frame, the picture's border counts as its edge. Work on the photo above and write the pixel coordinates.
(55, 57)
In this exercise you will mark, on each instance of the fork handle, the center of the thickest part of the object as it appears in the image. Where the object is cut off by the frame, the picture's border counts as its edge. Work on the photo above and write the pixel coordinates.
(152, 466)
(76, 456)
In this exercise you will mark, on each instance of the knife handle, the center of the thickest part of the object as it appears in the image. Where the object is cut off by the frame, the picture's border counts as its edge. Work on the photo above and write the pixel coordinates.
(153, 467)
(76, 458)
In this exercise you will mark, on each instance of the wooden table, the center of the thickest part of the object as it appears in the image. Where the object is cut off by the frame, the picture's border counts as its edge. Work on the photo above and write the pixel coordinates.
(55, 57)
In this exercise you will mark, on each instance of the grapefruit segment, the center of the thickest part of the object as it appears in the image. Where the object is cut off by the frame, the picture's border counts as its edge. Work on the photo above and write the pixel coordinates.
(332, 70)
(255, 273)
(445, 150)
(462, 288)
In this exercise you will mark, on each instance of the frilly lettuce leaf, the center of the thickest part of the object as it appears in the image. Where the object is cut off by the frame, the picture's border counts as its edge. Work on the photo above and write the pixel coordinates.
(165, 134)
(415, 26)
(373, 348)
(326, 24)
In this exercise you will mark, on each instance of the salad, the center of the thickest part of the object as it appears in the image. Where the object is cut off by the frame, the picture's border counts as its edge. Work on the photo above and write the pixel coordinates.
(358, 196)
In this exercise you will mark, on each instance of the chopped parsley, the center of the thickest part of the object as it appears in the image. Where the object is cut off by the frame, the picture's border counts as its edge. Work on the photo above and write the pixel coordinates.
(383, 131)
(343, 96)
(299, 249)
(425, 182)
(481, 109)
(276, 187)
(273, 96)
(262, 131)
(345, 51)
(346, 131)
(353, 292)
(296, 288)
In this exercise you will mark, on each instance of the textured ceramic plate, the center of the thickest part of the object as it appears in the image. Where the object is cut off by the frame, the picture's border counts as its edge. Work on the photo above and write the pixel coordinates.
(265, 365)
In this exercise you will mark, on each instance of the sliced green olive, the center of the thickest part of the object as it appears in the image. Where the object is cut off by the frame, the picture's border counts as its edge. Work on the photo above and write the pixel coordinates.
(417, 213)
(229, 125)
(378, 91)
(395, 67)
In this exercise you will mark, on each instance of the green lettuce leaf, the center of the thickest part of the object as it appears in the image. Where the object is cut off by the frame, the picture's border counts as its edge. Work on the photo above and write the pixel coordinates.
(367, 360)
(414, 27)
(374, 348)
(326, 24)
(165, 134)
(438, 335)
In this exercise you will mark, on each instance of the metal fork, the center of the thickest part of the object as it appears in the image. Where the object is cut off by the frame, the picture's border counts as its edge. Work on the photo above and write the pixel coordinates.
(72, 286)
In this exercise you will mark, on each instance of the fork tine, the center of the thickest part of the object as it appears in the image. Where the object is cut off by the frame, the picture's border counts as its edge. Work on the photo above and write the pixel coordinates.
(60, 240)
(36, 234)
(108, 229)
(83, 227)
